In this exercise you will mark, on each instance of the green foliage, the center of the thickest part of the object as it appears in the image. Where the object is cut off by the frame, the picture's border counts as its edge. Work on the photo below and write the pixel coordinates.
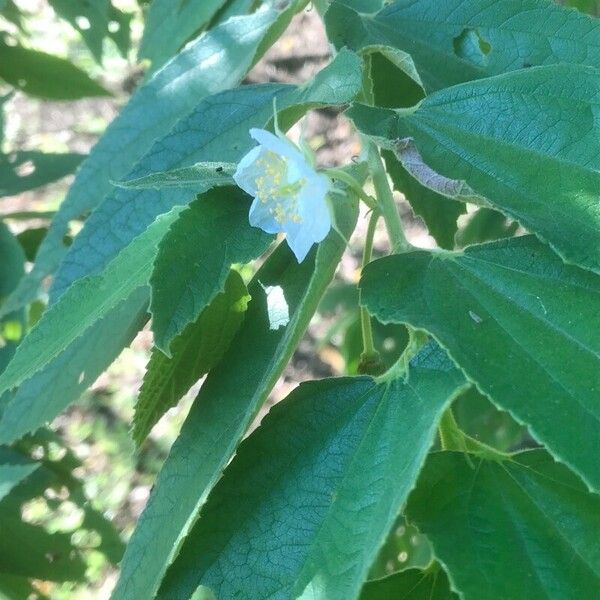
(412, 584)
(501, 310)
(149, 115)
(523, 520)
(413, 484)
(96, 20)
(345, 439)
(43, 75)
(12, 268)
(31, 488)
(170, 25)
(463, 40)
(284, 295)
(85, 303)
(464, 133)
(24, 171)
(210, 236)
(195, 352)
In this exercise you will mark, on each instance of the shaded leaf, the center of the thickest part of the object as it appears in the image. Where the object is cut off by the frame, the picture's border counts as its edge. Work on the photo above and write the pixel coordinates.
(509, 312)
(485, 225)
(455, 41)
(228, 401)
(46, 76)
(439, 213)
(310, 496)
(412, 584)
(524, 527)
(199, 347)
(14, 467)
(207, 238)
(24, 171)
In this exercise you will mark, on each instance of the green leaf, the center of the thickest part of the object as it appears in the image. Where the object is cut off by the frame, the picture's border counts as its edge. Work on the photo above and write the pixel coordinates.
(12, 268)
(38, 554)
(30, 240)
(46, 76)
(392, 79)
(520, 323)
(14, 467)
(84, 304)
(481, 420)
(39, 399)
(150, 114)
(412, 584)
(195, 352)
(310, 496)
(169, 24)
(485, 225)
(439, 213)
(10, 11)
(217, 130)
(462, 40)
(27, 549)
(365, 6)
(537, 163)
(197, 177)
(209, 236)
(127, 213)
(232, 8)
(524, 527)
(285, 295)
(95, 21)
(24, 171)
(13, 587)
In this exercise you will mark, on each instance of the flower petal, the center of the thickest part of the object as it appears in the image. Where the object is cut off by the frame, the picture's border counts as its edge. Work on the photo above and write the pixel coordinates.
(260, 216)
(275, 144)
(300, 240)
(313, 207)
(247, 171)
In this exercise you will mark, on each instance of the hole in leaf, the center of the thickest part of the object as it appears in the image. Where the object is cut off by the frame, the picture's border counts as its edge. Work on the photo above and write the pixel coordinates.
(83, 23)
(25, 169)
(471, 46)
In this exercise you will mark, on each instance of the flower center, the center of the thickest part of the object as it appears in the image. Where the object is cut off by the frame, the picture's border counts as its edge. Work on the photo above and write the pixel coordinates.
(272, 188)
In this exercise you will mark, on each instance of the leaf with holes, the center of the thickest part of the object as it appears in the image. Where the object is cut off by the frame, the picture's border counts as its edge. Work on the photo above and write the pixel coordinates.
(455, 41)
(285, 295)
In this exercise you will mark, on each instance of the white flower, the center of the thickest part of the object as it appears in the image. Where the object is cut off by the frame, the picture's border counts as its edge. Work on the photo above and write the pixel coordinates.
(289, 195)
